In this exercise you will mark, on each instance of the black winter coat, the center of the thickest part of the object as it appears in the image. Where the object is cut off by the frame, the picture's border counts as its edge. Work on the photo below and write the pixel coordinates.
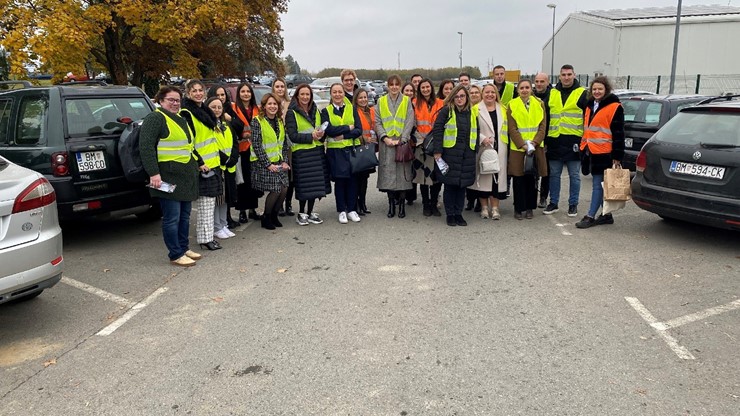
(309, 167)
(597, 164)
(461, 158)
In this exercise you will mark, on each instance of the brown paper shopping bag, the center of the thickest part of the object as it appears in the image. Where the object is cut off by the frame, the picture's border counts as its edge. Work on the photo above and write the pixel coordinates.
(617, 185)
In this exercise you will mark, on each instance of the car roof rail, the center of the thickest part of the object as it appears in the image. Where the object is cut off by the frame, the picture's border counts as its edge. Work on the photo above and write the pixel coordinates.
(23, 84)
(88, 82)
(720, 98)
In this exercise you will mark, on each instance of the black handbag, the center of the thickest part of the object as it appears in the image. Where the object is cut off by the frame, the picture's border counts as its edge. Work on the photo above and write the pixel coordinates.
(530, 167)
(363, 158)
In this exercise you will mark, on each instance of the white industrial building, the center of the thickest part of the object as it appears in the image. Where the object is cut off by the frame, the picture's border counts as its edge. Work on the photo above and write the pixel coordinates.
(639, 42)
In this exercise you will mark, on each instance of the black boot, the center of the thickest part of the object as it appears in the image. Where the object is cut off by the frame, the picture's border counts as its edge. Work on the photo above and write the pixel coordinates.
(391, 206)
(243, 217)
(266, 223)
(402, 208)
(274, 219)
(289, 209)
(427, 209)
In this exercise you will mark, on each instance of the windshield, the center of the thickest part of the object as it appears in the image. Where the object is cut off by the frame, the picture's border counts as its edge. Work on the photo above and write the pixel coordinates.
(709, 128)
(96, 116)
(642, 112)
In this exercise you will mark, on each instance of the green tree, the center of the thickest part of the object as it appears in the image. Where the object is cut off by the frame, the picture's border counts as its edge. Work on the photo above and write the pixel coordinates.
(291, 65)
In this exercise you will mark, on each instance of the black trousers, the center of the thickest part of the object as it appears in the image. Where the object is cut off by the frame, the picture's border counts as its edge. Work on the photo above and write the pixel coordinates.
(525, 193)
(454, 199)
(430, 193)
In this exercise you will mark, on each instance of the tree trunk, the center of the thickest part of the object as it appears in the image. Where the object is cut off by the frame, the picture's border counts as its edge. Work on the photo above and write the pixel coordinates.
(114, 54)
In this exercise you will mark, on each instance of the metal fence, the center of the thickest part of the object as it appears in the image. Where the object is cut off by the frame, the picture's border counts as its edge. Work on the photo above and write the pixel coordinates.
(685, 84)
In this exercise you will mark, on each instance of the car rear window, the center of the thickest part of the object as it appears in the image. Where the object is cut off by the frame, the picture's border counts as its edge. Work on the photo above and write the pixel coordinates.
(642, 112)
(95, 116)
(694, 127)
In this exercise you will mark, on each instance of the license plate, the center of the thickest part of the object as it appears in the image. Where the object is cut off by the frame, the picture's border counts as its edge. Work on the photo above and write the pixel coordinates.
(628, 142)
(88, 161)
(695, 169)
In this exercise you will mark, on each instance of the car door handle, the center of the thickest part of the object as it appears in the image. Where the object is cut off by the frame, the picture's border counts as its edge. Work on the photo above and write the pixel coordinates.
(87, 147)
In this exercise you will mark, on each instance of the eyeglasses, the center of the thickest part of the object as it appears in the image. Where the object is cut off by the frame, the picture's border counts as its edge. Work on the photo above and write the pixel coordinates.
(460, 96)
(173, 100)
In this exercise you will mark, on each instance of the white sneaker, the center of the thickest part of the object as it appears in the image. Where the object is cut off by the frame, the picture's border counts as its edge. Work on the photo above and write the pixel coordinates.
(314, 218)
(342, 217)
(228, 232)
(353, 216)
(301, 219)
(220, 234)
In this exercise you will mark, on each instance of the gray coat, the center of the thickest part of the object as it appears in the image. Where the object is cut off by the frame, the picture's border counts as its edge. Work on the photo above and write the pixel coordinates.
(394, 176)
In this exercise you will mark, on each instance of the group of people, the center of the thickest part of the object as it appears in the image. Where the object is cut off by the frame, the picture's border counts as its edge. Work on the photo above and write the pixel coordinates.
(471, 139)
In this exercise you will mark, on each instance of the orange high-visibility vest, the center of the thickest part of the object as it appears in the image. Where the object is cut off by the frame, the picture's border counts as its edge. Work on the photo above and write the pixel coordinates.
(597, 134)
(246, 133)
(425, 116)
(367, 124)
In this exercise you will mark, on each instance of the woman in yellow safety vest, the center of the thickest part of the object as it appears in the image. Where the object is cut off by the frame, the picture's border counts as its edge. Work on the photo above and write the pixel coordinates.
(455, 134)
(166, 146)
(367, 122)
(394, 121)
(602, 145)
(228, 153)
(426, 107)
(526, 130)
(202, 122)
(269, 157)
(343, 128)
(310, 172)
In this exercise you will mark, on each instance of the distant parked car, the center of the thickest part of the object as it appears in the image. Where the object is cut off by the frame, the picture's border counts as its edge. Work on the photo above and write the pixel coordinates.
(644, 115)
(623, 94)
(294, 80)
(690, 169)
(30, 236)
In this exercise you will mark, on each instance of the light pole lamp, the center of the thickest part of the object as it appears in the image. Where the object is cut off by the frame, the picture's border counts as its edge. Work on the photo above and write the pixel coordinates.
(460, 33)
(552, 41)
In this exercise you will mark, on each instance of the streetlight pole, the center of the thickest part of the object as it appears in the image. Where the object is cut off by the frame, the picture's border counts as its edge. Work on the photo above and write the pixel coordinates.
(460, 33)
(675, 49)
(552, 41)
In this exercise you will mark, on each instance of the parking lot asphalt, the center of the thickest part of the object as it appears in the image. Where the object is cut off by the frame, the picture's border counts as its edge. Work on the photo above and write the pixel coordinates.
(386, 317)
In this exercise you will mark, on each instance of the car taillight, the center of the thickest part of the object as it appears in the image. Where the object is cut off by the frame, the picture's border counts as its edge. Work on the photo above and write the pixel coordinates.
(60, 164)
(641, 161)
(39, 194)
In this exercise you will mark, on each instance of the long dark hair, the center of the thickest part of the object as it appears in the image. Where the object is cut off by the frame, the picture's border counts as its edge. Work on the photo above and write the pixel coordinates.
(214, 89)
(442, 87)
(420, 98)
(240, 104)
(297, 103)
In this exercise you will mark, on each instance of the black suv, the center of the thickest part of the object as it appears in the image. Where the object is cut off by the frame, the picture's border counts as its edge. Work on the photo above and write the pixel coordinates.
(690, 169)
(644, 115)
(69, 133)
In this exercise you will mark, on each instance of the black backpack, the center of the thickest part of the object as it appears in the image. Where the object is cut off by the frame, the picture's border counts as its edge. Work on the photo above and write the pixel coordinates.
(128, 152)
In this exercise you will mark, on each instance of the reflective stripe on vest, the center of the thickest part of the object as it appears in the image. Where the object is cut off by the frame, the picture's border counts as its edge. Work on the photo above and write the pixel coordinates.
(225, 142)
(508, 93)
(177, 146)
(271, 142)
(393, 123)
(527, 120)
(205, 142)
(367, 124)
(571, 118)
(347, 119)
(425, 116)
(450, 137)
(305, 127)
(555, 104)
(597, 134)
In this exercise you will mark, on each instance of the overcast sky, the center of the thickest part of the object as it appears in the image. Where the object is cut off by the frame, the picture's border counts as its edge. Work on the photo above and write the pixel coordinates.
(370, 33)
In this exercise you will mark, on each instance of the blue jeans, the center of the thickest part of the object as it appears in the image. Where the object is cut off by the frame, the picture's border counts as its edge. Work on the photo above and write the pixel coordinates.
(597, 195)
(175, 226)
(574, 174)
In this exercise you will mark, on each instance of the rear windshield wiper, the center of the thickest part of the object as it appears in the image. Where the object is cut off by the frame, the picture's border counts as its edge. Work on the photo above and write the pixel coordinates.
(718, 145)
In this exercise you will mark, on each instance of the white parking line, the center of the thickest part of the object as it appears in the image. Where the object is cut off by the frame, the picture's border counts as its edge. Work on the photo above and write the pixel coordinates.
(131, 313)
(95, 291)
(697, 316)
(660, 328)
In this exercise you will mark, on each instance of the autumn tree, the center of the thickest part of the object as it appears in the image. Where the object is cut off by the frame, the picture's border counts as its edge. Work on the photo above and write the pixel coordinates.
(140, 39)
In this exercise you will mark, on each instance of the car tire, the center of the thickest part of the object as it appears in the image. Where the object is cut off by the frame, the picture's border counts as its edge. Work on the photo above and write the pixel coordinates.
(290, 85)
(154, 213)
